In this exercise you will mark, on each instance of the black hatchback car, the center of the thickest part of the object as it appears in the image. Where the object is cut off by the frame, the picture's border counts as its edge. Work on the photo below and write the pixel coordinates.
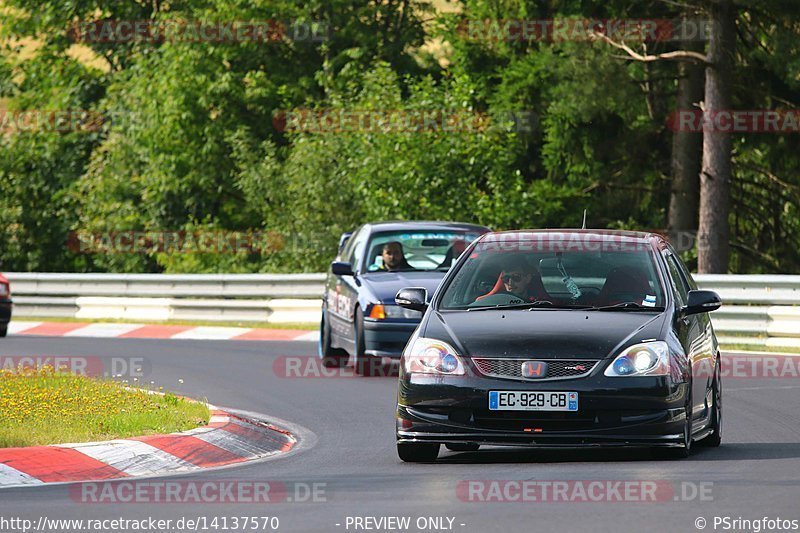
(359, 314)
(561, 338)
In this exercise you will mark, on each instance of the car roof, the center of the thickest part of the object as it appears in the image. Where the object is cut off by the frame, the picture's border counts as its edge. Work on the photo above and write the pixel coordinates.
(563, 233)
(433, 225)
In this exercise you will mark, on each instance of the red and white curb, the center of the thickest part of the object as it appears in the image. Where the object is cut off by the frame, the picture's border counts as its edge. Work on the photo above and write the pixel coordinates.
(157, 331)
(227, 440)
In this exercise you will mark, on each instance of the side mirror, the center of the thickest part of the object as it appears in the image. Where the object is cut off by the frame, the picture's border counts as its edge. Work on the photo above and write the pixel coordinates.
(412, 298)
(701, 302)
(344, 238)
(342, 268)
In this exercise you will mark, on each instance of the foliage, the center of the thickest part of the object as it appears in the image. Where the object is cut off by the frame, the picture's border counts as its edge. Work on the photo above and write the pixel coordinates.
(194, 138)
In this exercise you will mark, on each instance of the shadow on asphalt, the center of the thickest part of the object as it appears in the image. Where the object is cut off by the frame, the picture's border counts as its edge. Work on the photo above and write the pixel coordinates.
(752, 451)
(525, 455)
(587, 455)
(374, 368)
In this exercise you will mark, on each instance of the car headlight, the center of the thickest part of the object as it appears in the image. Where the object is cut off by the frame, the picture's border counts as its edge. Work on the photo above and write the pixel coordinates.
(384, 311)
(431, 356)
(645, 359)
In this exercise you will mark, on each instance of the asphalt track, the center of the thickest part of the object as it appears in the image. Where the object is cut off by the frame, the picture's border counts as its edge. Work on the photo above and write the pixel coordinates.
(755, 474)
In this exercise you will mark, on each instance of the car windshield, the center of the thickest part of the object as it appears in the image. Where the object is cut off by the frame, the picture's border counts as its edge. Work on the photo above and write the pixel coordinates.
(541, 273)
(416, 250)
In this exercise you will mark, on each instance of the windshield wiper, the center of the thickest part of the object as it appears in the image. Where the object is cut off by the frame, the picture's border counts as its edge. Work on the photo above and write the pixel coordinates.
(626, 306)
(529, 305)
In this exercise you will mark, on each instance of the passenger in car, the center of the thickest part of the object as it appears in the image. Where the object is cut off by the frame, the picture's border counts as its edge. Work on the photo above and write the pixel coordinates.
(452, 253)
(624, 284)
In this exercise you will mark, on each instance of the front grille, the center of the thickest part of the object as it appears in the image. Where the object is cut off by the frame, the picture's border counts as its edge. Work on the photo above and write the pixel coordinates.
(512, 368)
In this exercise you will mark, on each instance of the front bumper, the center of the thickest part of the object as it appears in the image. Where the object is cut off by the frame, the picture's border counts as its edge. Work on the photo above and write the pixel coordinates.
(387, 339)
(5, 311)
(631, 411)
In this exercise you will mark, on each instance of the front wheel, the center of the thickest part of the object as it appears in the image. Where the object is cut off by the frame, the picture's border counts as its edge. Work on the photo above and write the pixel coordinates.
(331, 357)
(417, 452)
(364, 365)
(4, 330)
(715, 439)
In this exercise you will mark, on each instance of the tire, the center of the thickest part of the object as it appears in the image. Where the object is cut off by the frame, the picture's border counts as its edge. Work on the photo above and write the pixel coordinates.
(463, 447)
(417, 452)
(715, 439)
(364, 365)
(3, 330)
(331, 357)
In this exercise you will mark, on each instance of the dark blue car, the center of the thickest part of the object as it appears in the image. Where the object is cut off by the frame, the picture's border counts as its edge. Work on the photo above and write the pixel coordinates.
(359, 314)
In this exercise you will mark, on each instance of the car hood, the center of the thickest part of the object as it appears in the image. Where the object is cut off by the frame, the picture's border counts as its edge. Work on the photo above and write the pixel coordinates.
(384, 285)
(543, 334)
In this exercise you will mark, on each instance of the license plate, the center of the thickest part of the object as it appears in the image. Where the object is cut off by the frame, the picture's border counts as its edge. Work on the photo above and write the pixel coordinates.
(532, 401)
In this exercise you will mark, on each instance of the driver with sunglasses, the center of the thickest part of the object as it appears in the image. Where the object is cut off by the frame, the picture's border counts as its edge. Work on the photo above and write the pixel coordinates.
(520, 279)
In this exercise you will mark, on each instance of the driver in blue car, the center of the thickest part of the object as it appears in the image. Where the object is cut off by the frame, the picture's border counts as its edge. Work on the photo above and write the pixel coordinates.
(520, 279)
(393, 257)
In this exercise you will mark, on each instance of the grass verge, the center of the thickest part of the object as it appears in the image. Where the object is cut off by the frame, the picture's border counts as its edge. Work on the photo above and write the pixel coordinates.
(42, 406)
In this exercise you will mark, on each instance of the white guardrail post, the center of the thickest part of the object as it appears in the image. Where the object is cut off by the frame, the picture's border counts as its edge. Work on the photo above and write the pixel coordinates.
(758, 309)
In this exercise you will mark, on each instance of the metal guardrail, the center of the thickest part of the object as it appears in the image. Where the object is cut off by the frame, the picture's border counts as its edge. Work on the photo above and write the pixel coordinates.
(761, 310)
(752, 289)
(168, 285)
(758, 309)
(277, 298)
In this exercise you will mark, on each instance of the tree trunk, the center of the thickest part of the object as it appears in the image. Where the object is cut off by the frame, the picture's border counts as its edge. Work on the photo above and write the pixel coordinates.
(687, 151)
(715, 178)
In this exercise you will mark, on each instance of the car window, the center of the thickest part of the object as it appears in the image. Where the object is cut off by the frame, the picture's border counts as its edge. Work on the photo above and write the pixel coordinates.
(687, 276)
(422, 250)
(347, 250)
(676, 277)
(354, 249)
(588, 275)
